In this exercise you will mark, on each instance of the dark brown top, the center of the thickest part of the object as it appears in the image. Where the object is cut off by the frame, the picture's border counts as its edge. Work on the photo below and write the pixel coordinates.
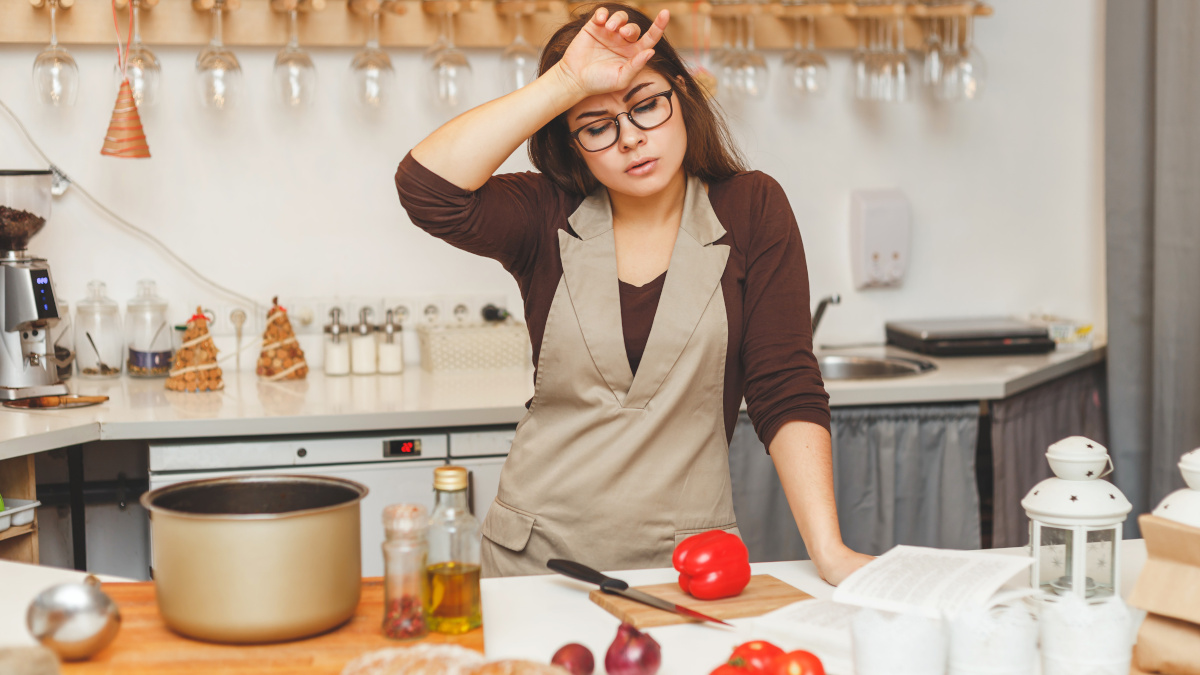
(515, 219)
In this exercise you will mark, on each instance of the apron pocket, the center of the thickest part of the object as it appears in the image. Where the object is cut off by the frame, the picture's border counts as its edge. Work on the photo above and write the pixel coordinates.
(680, 535)
(507, 527)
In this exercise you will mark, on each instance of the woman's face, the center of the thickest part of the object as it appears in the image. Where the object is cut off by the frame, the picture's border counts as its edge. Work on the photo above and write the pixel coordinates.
(643, 161)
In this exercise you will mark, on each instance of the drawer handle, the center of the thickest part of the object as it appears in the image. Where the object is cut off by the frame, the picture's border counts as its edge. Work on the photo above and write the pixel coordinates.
(301, 453)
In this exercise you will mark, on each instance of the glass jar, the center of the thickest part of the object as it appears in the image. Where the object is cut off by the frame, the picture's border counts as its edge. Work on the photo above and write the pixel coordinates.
(98, 329)
(405, 557)
(62, 339)
(391, 346)
(147, 333)
(362, 345)
(337, 345)
(454, 605)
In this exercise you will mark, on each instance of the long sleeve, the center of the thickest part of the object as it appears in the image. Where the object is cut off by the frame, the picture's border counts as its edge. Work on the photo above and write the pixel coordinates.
(783, 380)
(501, 220)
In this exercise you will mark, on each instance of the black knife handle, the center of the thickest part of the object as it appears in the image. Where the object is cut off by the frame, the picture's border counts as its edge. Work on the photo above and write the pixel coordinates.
(584, 573)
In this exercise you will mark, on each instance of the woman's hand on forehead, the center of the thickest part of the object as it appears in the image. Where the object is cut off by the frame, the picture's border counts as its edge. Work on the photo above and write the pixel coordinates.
(609, 52)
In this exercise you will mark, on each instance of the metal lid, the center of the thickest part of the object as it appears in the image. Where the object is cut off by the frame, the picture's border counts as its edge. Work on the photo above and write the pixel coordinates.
(450, 478)
(405, 520)
(335, 327)
(389, 327)
(364, 327)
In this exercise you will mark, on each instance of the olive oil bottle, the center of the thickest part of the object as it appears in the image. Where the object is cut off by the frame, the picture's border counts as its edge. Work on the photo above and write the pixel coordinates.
(454, 604)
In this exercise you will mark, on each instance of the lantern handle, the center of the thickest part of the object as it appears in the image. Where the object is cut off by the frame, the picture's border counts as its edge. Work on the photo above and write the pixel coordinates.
(1109, 469)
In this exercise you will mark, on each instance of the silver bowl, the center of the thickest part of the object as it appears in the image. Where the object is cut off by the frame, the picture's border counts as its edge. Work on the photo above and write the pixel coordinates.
(75, 620)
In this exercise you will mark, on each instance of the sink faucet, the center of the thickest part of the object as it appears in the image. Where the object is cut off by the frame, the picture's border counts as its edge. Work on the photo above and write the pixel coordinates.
(825, 302)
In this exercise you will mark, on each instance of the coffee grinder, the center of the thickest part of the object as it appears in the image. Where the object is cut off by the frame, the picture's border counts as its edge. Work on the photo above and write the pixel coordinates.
(27, 306)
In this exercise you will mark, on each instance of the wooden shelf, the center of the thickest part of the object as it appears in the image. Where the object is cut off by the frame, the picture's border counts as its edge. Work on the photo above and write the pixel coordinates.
(17, 481)
(478, 23)
(16, 531)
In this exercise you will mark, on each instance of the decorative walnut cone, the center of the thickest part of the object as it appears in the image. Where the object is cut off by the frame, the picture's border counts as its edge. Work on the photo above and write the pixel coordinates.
(125, 137)
(281, 357)
(194, 367)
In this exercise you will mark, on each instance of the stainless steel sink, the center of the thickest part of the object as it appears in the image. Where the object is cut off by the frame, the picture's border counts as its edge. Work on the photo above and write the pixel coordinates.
(835, 367)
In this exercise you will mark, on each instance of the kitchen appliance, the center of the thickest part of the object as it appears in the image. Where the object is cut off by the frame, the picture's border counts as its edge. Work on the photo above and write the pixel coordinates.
(613, 586)
(970, 337)
(396, 466)
(254, 558)
(28, 365)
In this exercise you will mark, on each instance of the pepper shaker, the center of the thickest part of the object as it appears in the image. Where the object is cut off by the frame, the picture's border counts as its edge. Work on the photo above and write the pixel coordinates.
(362, 345)
(337, 345)
(405, 557)
(391, 346)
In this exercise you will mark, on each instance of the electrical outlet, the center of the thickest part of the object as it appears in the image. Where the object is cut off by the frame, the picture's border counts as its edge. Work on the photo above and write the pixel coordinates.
(302, 312)
(404, 311)
(432, 310)
(355, 305)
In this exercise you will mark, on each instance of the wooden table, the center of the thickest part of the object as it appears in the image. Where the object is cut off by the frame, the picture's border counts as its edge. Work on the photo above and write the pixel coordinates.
(145, 646)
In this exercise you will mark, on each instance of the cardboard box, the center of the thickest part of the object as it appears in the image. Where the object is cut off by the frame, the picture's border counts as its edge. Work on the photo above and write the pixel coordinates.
(1168, 646)
(1169, 589)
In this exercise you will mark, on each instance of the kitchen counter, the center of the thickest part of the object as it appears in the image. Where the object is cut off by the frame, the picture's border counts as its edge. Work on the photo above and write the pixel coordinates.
(531, 617)
(144, 409)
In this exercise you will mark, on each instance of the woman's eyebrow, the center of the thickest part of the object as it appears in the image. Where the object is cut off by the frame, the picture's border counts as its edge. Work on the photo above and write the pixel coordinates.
(625, 98)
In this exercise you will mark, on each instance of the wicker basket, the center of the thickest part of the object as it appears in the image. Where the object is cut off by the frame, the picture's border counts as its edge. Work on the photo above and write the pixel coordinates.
(474, 346)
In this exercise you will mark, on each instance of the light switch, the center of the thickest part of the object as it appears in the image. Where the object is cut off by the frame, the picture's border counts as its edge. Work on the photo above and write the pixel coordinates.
(880, 237)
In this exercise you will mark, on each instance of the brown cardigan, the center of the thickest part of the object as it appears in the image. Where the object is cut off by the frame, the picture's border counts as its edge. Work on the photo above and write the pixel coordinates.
(515, 218)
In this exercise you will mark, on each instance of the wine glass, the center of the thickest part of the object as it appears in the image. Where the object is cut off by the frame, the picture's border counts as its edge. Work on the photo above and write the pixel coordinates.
(219, 75)
(55, 73)
(371, 74)
(753, 76)
(142, 67)
(295, 74)
(520, 60)
(971, 65)
(451, 73)
(807, 70)
(901, 70)
(931, 72)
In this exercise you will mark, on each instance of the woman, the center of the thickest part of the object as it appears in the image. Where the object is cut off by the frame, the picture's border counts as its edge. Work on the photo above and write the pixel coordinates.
(661, 282)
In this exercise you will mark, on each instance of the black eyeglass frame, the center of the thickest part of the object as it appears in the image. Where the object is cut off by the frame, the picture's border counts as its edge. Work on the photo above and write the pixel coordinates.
(616, 119)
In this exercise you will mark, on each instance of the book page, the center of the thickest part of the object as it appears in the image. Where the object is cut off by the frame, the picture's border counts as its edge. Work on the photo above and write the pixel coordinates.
(929, 581)
(819, 626)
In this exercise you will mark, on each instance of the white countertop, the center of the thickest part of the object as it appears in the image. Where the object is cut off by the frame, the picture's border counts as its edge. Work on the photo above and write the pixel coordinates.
(144, 409)
(531, 617)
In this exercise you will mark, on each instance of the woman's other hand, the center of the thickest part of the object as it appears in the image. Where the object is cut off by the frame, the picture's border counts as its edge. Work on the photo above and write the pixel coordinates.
(835, 566)
(609, 51)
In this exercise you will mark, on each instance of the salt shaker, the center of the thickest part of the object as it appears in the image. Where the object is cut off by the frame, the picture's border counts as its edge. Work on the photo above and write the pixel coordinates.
(391, 346)
(405, 556)
(362, 345)
(337, 345)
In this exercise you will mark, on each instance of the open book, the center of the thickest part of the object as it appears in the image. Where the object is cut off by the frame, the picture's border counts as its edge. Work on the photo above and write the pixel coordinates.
(926, 581)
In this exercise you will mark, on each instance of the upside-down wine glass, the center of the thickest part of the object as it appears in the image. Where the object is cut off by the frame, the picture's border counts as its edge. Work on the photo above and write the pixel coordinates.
(807, 69)
(219, 75)
(451, 74)
(520, 59)
(142, 67)
(371, 74)
(295, 75)
(55, 73)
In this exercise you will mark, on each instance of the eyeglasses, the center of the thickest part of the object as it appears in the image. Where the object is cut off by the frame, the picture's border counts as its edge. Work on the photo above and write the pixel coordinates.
(645, 114)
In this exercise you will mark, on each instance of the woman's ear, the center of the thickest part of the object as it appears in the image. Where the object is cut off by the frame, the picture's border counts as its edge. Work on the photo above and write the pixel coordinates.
(680, 84)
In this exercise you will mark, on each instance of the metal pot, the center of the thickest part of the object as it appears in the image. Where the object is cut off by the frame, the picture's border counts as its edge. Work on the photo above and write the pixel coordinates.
(256, 558)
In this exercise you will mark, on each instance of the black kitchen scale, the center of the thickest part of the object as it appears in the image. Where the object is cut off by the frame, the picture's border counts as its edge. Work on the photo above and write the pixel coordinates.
(970, 337)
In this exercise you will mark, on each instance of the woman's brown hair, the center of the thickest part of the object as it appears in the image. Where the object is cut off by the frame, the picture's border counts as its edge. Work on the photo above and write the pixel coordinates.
(711, 154)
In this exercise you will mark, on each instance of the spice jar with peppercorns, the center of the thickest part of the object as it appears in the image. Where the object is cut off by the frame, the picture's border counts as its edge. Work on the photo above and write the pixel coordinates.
(405, 557)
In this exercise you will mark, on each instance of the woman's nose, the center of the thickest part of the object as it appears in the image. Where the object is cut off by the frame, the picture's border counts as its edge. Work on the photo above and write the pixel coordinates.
(631, 136)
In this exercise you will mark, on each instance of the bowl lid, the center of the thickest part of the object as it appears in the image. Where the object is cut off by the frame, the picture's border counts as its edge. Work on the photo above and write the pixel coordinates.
(1077, 448)
(1071, 502)
(1181, 506)
(1190, 461)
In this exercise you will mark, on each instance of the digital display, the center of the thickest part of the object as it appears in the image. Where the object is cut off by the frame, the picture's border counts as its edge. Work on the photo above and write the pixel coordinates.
(403, 447)
(43, 295)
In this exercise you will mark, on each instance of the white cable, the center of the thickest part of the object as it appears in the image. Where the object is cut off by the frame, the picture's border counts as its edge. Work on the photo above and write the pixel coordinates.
(138, 232)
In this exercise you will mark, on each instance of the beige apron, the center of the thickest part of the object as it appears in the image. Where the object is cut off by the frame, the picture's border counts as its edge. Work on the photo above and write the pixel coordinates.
(609, 469)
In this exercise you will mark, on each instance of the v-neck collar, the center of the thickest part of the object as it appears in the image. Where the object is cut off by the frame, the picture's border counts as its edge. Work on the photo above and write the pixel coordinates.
(590, 270)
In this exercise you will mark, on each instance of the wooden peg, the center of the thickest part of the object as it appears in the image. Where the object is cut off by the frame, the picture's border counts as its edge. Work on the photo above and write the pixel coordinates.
(447, 6)
(206, 5)
(365, 7)
(62, 4)
(284, 6)
(396, 7)
(312, 5)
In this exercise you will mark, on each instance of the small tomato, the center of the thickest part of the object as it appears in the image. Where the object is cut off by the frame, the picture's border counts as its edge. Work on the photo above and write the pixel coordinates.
(755, 656)
(727, 669)
(798, 662)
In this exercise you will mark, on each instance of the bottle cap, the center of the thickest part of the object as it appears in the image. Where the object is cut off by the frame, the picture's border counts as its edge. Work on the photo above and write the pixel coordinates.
(405, 520)
(335, 327)
(450, 478)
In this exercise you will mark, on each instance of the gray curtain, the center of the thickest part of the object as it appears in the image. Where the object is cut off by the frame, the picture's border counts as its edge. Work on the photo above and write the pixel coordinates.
(902, 475)
(1152, 194)
(1023, 426)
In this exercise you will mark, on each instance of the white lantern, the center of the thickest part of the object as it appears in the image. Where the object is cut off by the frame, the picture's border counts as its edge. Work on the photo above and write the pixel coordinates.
(1075, 523)
(1183, 506)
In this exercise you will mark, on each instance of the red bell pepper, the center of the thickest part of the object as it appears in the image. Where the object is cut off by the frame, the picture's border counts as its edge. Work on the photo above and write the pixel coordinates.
(712, 565)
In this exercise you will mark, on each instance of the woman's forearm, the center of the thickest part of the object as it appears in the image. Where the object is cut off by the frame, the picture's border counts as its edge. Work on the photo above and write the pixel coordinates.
(803, 456)
(468, 149)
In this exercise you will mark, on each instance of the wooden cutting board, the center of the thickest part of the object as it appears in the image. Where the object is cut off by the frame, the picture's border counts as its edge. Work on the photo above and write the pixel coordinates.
(145, 646)
(763, 594)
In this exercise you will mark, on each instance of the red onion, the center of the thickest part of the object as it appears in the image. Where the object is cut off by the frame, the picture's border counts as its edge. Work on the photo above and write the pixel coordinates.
(576, 658)
(632, 653)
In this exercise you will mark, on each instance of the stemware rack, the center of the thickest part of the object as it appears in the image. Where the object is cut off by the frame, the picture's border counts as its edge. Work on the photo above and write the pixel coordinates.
(479, 23)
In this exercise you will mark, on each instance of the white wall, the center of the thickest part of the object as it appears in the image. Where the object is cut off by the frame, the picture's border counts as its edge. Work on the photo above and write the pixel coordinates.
(1006, 192)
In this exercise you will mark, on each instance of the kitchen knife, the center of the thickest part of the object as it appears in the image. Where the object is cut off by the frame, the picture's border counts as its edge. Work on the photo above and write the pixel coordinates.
(617, 587)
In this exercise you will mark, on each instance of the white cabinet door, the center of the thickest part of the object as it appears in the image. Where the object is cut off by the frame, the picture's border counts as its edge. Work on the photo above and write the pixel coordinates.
(485, 480)
(388, 482)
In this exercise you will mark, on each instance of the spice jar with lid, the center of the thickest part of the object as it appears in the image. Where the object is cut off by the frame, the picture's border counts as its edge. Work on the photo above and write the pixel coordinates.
(362, 345)
(391, 346)
(148, 333)
(337, 345)
(405, 556)
(98, 330)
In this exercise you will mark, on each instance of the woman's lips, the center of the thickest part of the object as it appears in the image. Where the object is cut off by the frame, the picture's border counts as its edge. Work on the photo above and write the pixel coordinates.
(645, 167)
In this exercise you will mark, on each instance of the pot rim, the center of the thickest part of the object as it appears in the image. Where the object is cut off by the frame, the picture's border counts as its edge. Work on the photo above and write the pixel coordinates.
(147, 498)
